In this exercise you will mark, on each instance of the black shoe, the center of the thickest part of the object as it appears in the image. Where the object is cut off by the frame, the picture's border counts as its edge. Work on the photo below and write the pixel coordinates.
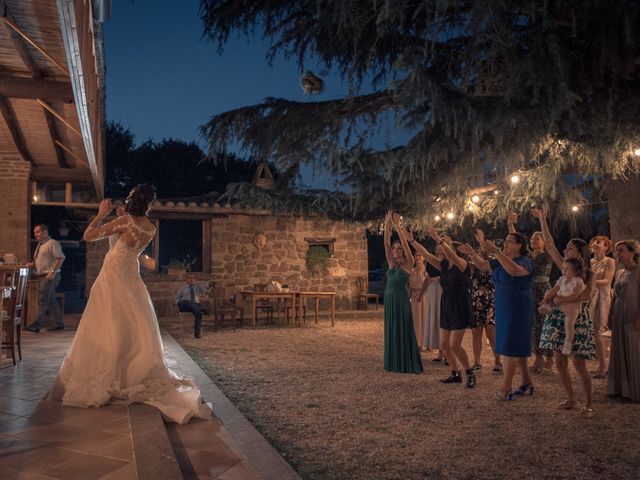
(32, 328)
(525, 389)
(455, 377)
(55, 328)
(197, 335)
(471, 378)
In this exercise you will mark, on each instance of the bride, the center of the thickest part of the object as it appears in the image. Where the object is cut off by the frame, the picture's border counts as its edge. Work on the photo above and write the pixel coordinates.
(117, 354)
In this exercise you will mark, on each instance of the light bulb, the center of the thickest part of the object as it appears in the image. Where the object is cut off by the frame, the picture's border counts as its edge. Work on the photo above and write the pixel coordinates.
(496, 192)
(437, 218)
(636, 152)
(515, 179)
(475, 199)
(574, 208)
(450, 215)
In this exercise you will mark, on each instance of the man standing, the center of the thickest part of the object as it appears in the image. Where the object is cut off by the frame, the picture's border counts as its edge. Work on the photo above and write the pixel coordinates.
(188, 300)
(47, 261)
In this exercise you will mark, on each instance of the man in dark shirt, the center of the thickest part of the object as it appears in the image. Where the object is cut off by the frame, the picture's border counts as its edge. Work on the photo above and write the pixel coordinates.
(188, 300)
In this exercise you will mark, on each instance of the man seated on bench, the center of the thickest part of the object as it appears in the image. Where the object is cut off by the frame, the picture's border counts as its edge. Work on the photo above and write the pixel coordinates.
(188, 300)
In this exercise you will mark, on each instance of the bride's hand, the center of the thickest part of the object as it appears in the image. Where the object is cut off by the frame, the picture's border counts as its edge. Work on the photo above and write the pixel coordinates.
(105, 207)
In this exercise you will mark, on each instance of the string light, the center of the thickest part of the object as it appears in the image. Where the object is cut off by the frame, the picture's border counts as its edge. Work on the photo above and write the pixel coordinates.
(496, 192)
(636, 152)
(450, 215)
(475, 199)
(574, 208)
(515, 178)
(437, 218)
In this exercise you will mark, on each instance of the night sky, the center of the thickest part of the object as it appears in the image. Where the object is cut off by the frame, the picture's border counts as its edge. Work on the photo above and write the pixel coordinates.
(164, 80)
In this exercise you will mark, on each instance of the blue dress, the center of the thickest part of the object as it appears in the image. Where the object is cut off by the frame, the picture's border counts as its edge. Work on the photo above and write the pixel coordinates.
(514, 309)
(401, 353)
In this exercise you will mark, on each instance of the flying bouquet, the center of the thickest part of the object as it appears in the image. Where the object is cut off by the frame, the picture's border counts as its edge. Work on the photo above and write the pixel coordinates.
(311, 83)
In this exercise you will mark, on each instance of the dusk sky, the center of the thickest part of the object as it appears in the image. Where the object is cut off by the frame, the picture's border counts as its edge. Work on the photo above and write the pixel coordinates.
(164, 80)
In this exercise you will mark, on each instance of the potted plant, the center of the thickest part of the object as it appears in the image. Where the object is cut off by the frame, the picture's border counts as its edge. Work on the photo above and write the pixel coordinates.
(317, 258)
(178, 267)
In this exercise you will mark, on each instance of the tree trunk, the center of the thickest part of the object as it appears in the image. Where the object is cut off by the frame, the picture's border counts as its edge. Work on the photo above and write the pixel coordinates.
(624, 208)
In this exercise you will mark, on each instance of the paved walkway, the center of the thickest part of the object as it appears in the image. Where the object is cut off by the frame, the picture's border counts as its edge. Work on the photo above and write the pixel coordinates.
(44, 440)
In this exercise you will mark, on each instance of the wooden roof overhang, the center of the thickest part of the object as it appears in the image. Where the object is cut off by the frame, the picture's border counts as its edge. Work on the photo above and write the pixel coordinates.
(52, 89)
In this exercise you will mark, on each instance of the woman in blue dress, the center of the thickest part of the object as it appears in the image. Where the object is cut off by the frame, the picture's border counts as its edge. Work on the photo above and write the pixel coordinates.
(512, 276)
(401, 352)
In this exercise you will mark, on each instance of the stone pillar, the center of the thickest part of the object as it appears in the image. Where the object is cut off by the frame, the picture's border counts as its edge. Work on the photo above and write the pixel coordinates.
(624, 198)
(15, 206)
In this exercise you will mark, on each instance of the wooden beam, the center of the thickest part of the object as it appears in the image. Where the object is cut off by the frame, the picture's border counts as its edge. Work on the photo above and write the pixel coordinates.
(81, 160)
(28, 39)
(53, 133)
(60, 175)
(58, 116)
(6, 110)
(32, 89)
(18, 43)
(68, 192)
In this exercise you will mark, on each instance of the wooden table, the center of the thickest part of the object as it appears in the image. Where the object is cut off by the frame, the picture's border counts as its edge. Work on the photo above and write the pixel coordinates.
(255, 296)
(317, 296)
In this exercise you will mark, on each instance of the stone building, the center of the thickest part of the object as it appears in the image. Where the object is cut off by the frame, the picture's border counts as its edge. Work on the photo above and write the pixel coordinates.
(242, 248)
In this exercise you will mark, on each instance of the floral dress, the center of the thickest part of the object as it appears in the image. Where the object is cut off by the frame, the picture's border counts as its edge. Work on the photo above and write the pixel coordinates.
(542, 265)
(482, 297)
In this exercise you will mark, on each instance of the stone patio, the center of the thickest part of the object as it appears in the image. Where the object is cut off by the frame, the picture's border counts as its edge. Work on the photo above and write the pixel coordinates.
(44, 440)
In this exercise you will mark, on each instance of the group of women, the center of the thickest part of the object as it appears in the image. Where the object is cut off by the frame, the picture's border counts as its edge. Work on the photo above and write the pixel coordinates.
(499, 291)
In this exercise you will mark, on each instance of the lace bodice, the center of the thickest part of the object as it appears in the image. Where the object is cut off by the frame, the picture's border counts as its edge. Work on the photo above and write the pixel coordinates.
(131, 236)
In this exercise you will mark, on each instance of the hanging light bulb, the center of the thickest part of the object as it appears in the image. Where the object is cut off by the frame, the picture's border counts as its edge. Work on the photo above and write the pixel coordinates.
(450, 215)
(636, 152)
(515, 178)
(575, 208)
(496, 192)
(437, 218)
(475, 199)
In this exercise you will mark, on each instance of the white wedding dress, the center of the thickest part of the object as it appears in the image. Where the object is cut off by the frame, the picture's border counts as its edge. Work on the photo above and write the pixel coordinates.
(117, 354)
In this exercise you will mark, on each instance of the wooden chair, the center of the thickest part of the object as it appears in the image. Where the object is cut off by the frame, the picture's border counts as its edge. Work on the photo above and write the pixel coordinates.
(13, 316)
(362, 288)
(263, 305)
(224, 306)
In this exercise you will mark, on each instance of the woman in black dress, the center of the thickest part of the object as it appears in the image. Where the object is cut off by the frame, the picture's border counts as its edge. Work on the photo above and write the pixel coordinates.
(456, 311)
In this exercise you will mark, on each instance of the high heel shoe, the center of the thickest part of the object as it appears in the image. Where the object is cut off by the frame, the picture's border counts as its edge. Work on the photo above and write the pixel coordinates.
(503, 396)
(523, 389)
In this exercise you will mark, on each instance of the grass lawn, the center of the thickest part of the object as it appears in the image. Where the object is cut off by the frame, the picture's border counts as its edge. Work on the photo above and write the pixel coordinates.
(321, 397)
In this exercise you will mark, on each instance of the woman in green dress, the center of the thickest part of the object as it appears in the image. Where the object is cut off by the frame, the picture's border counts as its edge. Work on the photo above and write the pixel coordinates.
(401, 352)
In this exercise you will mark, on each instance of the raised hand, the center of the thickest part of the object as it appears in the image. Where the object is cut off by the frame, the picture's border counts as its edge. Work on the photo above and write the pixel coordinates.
(466, 249)
(397, 219)
(489, 246)
(433, 233)
(539, 213)
(105, 207)
(512, 218)
(407, 234)
(479, 236)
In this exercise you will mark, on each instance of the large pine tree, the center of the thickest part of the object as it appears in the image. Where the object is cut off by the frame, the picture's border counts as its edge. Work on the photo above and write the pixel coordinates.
(484, 88)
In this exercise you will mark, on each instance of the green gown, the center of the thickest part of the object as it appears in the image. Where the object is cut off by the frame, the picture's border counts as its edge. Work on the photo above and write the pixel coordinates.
(401, 353)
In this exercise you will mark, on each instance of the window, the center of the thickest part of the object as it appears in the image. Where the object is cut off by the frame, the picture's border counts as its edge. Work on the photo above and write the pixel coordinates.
(181, 240)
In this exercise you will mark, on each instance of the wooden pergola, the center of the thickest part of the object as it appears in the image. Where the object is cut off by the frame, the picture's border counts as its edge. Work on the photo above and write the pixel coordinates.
(52, 90)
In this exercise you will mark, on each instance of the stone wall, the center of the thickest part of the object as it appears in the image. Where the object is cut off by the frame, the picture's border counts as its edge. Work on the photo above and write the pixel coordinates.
(15, 228)
(236, 261)
(238, 264)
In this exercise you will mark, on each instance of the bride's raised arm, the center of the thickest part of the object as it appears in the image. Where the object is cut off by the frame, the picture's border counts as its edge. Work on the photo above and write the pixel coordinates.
(95, 230)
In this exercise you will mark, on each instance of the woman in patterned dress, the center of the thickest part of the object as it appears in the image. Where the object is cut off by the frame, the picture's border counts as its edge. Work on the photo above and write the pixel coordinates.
(603, 268)
(482, 298)
(542, 265)
(553, 331)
